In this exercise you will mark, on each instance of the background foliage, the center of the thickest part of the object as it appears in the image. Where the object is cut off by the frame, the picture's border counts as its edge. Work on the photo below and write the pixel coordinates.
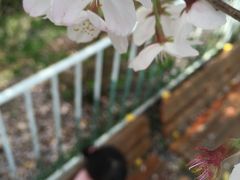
(27, 44)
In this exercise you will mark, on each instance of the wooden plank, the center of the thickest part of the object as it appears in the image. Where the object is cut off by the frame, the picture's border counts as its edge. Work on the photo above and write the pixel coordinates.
(139, 150)
(152, 165)
(128, 141)
(196, 130)
(140, 126)
(198, 105)
(199, 127)
(197, 85)
(213, 87)
(134, 140)
(194, 91)
(223, 127)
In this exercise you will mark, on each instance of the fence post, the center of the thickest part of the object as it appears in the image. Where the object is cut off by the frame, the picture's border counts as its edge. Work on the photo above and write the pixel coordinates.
(113, 86)
(78, 97)
(57, 112)
(32, 123)
(97, 89)
(7, 147)
(133, 51)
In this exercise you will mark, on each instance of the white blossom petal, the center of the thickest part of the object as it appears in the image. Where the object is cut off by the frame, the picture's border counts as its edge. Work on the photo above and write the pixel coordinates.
(235, 175)
(142, 13)
(204, 15)
(67, 12)
(168, 26)
(175, 11)
(146, 3)
(195, 42)
(97, 21)
(175, 24)
(58, 10)
(83, 32)
(177, 28)
(36, 7)
(74, 17)
(181, 49)
(120, 43)
(144, 30)
(120, 16)
(145, 57)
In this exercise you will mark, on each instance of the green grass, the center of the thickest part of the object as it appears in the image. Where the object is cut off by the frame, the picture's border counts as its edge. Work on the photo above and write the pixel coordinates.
(25, 46)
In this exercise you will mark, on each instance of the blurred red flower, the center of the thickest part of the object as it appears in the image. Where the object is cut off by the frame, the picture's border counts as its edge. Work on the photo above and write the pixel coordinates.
(207, 163)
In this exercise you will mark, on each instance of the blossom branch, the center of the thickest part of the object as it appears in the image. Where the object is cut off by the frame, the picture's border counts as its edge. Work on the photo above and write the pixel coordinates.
(226, 8)
(159, 30)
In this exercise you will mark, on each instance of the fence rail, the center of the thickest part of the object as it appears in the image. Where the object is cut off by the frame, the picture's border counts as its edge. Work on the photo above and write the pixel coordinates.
(53, 70)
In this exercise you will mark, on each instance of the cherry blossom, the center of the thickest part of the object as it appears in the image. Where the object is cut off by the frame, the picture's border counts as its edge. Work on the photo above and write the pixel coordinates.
(90, 28)
(86, 19)
(148, 54)
(82, 32)
(176, 26)
(67, 12)
(145, 28)
(172, 27)
(119, 15)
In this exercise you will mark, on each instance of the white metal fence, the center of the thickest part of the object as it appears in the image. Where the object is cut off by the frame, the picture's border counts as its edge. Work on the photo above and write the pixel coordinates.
(51, 74)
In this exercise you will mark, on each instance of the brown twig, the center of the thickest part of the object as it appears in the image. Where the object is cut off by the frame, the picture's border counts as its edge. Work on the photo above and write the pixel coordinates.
(226, 8)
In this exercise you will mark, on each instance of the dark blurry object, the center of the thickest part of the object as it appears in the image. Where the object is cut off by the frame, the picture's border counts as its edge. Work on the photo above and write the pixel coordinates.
(105, 163)
(8, 7)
